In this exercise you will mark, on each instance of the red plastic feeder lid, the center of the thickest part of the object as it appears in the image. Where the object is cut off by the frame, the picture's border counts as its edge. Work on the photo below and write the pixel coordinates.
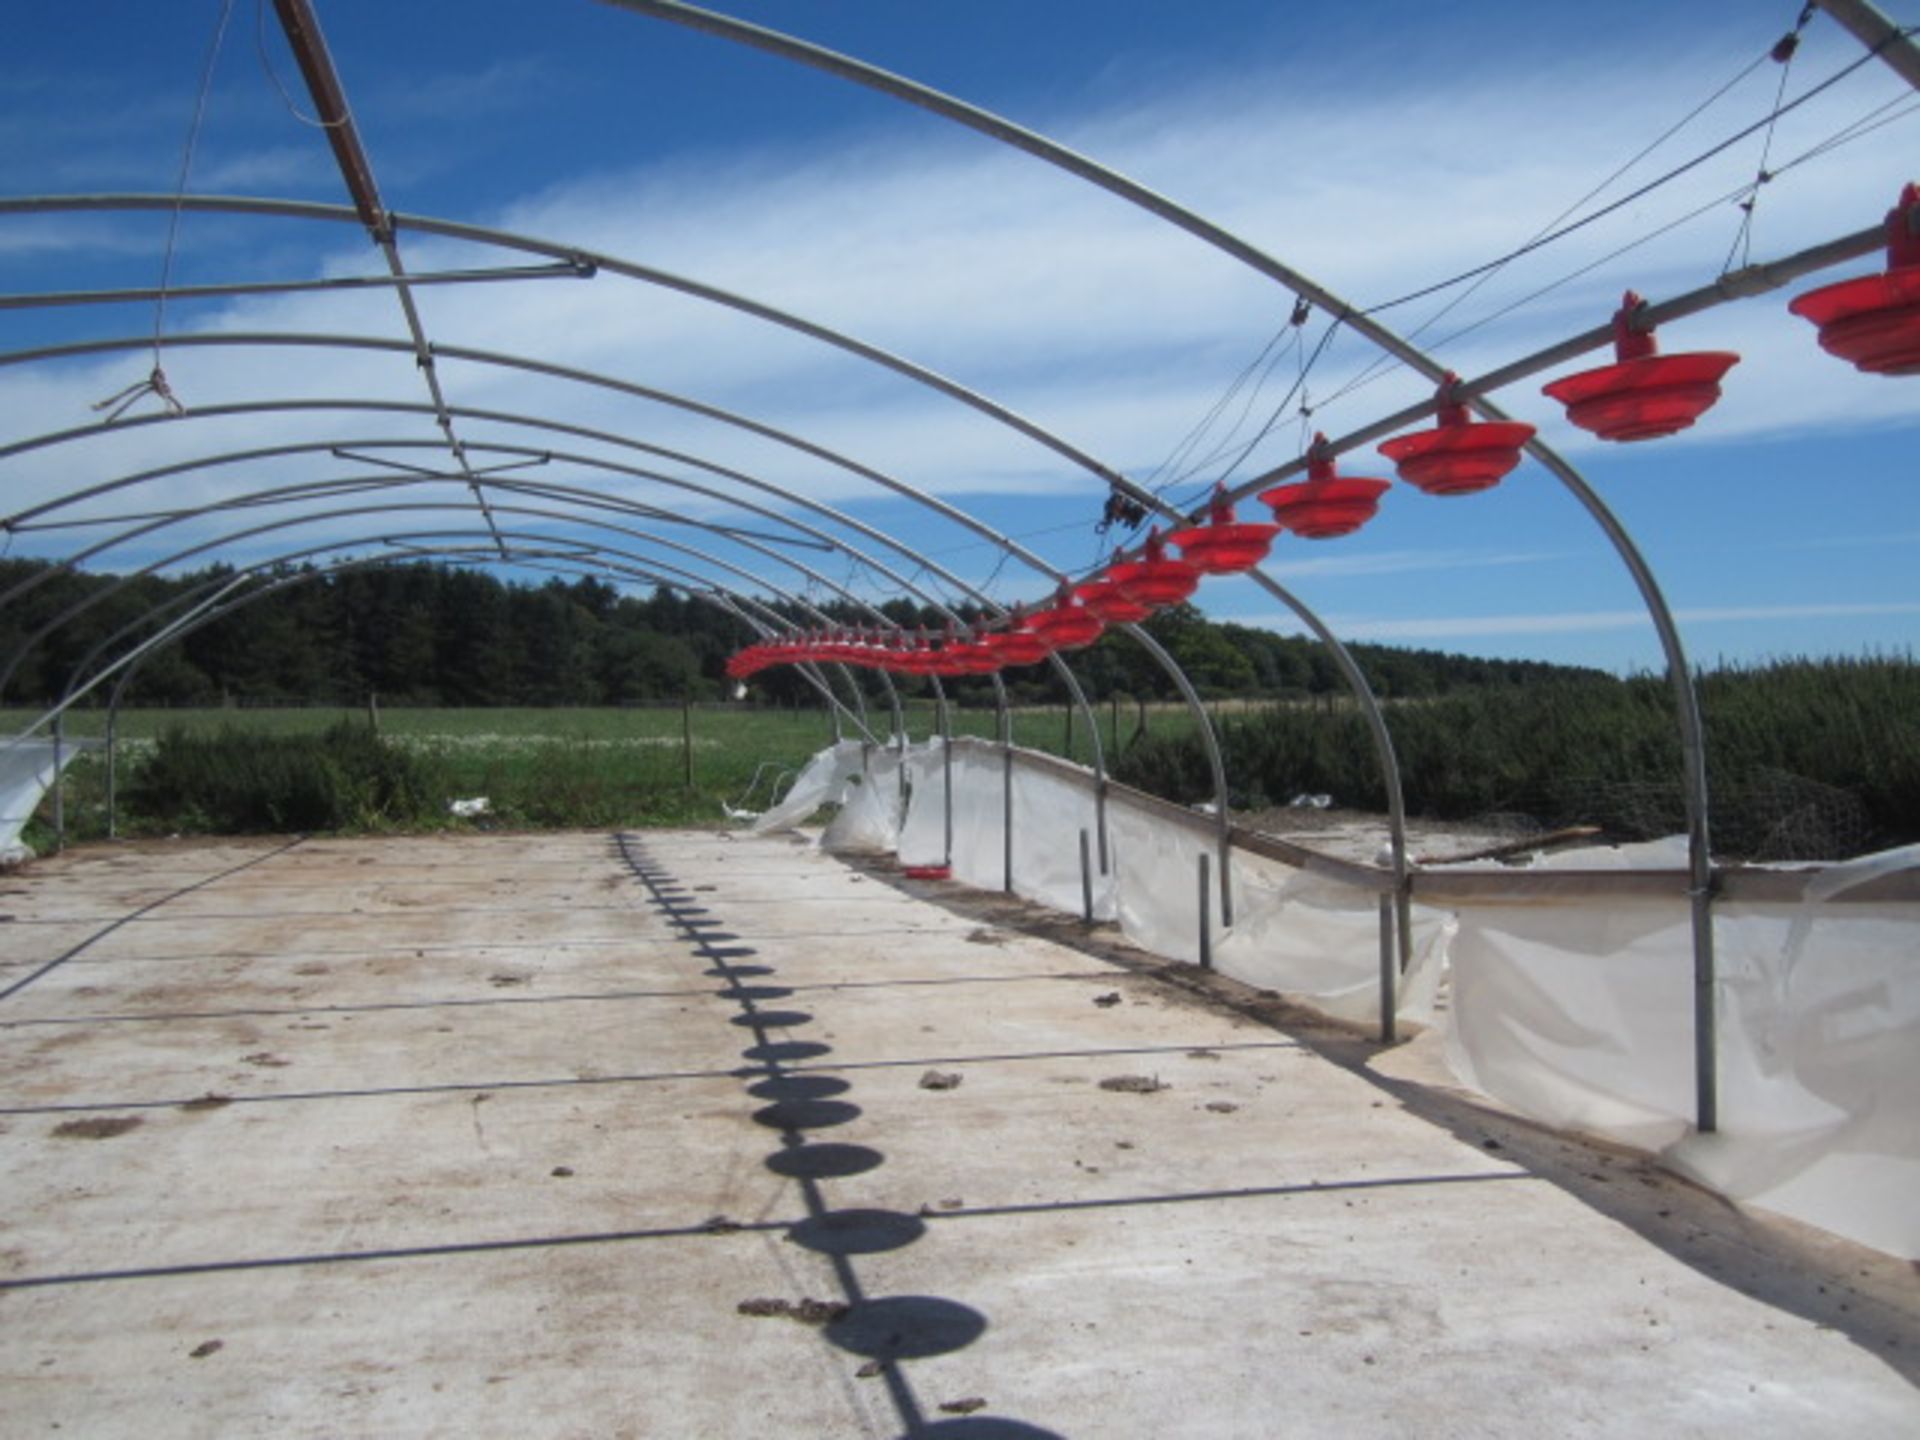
(1067, 626)
(1459, 456)
(1153, 579)
(1873, 322)
(1325, 505)
(1645, 395)
(928, 872)
(1222, 546)
(1017, 647)
(1103, 598)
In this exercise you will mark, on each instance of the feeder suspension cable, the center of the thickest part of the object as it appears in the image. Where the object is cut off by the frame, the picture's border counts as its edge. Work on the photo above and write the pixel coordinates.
(1646, 189)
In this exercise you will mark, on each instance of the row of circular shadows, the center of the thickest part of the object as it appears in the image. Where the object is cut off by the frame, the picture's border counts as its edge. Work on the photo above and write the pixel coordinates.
(892, 1328)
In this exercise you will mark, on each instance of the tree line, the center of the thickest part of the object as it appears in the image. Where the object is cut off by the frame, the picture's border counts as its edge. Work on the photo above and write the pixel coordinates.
(428, 634)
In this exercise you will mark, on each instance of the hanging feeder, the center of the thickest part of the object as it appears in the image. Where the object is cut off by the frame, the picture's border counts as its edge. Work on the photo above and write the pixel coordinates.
(1459, 456)
(1326, 504)
(1153, 580)
(1874, 321)
(1103, 599)
(1645, 394)
(1067, 625)
(1017, 644)
(1222, 546)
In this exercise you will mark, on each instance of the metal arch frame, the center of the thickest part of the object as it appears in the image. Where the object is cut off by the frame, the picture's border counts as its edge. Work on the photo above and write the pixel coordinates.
(1350, 671)
(1680, 676)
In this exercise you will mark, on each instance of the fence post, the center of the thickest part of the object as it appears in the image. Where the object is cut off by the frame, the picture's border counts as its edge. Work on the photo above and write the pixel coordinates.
(59, 785)
(1206, 906)
(1389, 968)
(686, 737)
(1086, 880)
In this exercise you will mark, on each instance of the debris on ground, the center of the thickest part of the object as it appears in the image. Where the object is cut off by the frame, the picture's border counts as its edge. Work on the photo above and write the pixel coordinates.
(1222, 1107)
(1203, 1054)
(96, 1127)
(963, 1407)
(1134, 1084)
(265, 1059)
(984, 936)
(1108, 1001)
(206, 1348)
(720, 1225)
(212, 1100)
(562, 1172)
(940, 1080)
(870, 1369)
(806, 1311)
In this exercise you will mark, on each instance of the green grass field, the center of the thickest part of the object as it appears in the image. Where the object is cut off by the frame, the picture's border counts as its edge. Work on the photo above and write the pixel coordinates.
(552, 768)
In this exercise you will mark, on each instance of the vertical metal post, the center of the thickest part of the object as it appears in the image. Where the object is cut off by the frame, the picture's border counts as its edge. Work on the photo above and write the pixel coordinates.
(113, 773)
(1113, 710)
(373, 712)
(1006, 818)
(946, 769)
(1389, 969)
(686, 737)
(1206, 908)
(59, 785)
(1086, 880)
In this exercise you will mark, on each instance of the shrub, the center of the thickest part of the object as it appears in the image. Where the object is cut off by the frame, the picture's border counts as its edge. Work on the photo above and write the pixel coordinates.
(239, 781)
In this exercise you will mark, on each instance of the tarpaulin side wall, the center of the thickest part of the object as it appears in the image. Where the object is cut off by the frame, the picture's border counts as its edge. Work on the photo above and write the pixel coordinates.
(1579, 1014)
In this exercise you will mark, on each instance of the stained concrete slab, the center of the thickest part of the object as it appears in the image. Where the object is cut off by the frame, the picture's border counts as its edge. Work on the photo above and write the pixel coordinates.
(495, 1135)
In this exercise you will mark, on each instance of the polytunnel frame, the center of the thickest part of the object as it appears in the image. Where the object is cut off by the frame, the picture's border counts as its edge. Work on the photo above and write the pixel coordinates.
(1002, 130)
(602, 262)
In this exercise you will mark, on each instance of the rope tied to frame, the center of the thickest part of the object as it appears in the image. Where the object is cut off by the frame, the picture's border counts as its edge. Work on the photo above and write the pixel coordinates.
(155, 384)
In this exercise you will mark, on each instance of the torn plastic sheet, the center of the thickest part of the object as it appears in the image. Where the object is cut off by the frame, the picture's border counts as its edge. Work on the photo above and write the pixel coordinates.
(823, 782)
(1580, 1015)
(872, 810)
(27, 770)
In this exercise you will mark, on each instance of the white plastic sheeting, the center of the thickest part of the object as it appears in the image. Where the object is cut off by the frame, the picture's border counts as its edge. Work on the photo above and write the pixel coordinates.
(822, 782)
(27, 769)
(1579, 1013)
(1573, 1009)
(1311, 939)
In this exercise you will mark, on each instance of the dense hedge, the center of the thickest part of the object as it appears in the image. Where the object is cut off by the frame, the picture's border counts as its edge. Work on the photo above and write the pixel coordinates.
(1805, 758)
(239, 781)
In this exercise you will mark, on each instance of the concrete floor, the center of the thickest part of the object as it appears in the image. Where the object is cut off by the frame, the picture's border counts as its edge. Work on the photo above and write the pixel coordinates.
(496, 1136)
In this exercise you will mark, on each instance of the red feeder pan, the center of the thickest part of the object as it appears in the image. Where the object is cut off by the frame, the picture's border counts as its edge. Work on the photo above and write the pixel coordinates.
(1103, 600)
(1067, 626)
(1325, 505)
(1458, 456)
(1874, 321)
(1153, 580)
(1645, 395)
(1221, 546)
(928, 872)
(1017, 647)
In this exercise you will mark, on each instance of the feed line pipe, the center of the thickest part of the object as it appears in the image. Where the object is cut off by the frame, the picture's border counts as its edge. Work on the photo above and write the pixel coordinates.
(1700, 863)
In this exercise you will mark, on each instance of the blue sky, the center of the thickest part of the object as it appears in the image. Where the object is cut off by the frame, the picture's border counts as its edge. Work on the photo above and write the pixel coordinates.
(1377, 147)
